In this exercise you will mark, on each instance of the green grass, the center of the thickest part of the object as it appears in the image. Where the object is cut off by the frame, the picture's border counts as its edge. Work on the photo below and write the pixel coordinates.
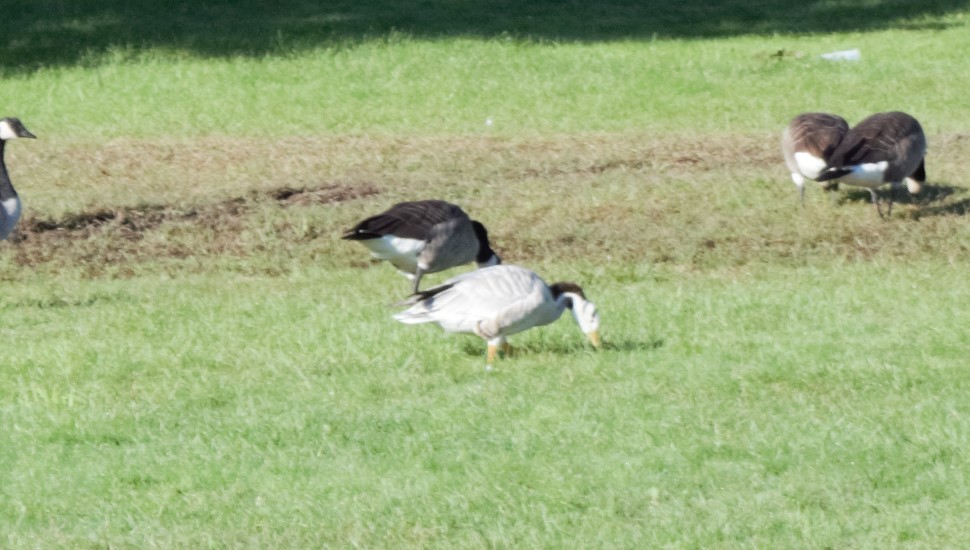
(194, 358)
(57, 33)
(406, 86)
(789, 407)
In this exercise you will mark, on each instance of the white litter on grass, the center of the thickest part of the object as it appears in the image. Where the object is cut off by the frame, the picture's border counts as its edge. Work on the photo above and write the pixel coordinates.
(843, 55)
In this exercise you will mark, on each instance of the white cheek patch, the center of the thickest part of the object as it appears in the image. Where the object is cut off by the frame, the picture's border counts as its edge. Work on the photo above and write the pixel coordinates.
(6, 132)
(585, 314)
(809, 165)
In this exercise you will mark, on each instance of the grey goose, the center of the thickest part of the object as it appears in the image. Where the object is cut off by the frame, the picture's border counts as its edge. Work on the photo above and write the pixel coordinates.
(10, 128)
(499, 301)
(807, 144)
(883, 148)
(425, 236)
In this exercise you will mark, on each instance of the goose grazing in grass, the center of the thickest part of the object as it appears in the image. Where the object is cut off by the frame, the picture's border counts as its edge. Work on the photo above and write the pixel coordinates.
(424, 237)
(499, 301)
(10, 128)
(808, 142)
(883, 148)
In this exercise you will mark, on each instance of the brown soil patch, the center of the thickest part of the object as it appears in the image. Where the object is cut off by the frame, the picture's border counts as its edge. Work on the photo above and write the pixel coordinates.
(146, 217)
(103, 237)
(694, 199)
(327, 194)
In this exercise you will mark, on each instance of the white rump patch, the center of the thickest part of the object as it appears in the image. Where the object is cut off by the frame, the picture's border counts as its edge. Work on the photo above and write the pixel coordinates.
(809, 165)
(870, 174)
(401, 252)
(914, 186)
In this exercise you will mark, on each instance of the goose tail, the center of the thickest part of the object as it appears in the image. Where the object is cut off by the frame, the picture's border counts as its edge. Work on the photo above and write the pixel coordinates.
(833, 173)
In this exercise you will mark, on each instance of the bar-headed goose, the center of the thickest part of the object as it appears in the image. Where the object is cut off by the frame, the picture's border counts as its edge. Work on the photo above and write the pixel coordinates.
(808, 142)
(10, 128)
(496, 302)
(424, 237)
(883, 148)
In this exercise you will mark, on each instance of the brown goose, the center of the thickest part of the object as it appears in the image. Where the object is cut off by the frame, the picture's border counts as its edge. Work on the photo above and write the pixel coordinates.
(883, 148)
(808, 142)
(424, 237)
(10, 128)
(499, 301)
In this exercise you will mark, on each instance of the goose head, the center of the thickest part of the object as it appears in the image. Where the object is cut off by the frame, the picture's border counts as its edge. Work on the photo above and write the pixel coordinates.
(12, 128)
(486, 257)
(584, 311)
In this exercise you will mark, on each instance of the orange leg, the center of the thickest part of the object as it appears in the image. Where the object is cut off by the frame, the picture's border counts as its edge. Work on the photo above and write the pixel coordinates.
(494, 345)
(490, 356)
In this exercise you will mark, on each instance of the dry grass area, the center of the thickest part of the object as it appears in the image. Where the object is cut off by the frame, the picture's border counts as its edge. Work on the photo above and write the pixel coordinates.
(695, 201)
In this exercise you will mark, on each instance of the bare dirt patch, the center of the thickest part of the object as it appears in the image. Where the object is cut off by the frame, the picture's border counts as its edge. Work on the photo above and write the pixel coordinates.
(704, 200)
(103, 236)
(147, 217)
(327, 194)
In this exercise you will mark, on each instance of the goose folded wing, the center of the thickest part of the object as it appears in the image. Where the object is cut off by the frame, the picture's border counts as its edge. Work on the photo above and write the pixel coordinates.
(410, 220)
(488, 305)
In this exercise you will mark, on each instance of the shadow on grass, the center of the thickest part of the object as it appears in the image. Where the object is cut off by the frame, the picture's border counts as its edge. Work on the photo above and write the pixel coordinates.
(933, 200)
(55, 302)
(958, 208)
(568, 348)
(41, 33)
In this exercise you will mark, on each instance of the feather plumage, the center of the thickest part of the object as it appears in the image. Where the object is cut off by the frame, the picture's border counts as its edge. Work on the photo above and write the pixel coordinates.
(10, 203)
(496, 302)
(424, 237)
(884, 148)
(807, 144)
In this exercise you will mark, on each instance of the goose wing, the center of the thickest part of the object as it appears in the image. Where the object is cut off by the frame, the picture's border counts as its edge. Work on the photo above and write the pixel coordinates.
(808, 142)
(815, 133)
(880, 137)
(484, 301)
(410, 220)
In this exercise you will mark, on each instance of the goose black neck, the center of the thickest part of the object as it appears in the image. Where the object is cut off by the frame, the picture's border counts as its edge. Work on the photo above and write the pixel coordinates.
(485, 251)
(6, 187)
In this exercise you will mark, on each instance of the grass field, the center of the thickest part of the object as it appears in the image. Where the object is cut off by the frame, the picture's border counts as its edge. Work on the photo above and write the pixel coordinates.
(195, 359)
